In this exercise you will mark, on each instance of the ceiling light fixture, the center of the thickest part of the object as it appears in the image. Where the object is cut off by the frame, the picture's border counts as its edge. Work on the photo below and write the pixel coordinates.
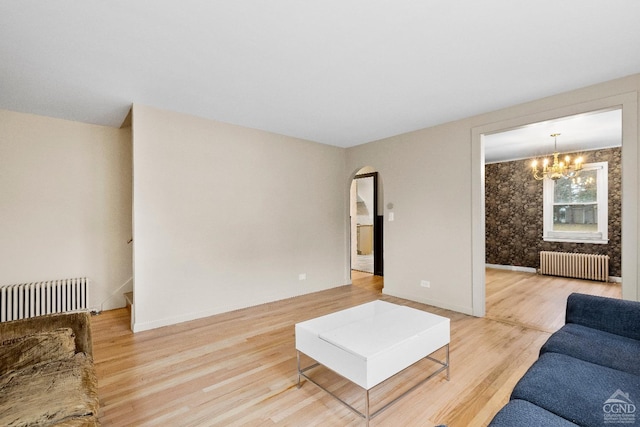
(558, 169)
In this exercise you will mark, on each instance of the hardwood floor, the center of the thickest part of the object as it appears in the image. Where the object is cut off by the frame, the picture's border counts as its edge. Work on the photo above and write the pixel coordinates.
(517, 297)
(367, 281)
(239, 368)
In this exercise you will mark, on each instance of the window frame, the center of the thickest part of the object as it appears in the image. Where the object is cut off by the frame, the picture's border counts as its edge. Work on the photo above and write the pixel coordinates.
(599, 237)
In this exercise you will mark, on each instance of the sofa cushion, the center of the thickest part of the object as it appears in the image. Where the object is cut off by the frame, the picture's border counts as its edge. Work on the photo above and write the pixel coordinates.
(611, 315)
(518, 413)
(595, 346)
(574, 389)
(78, 321)
(49, 393)
(18, 353)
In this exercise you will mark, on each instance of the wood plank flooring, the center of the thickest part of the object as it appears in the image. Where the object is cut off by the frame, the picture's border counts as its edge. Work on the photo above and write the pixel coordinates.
(239, 368)
(518, 297)
(367, 281)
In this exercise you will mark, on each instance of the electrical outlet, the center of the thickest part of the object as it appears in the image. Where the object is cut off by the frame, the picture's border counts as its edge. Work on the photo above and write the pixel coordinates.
(425, 283)
(302, 276)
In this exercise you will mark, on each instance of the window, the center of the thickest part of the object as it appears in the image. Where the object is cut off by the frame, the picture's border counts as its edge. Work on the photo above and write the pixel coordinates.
(576, 209)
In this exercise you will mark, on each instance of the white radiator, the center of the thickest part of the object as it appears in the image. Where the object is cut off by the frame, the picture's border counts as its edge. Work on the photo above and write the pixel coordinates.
(579, 266)
(35, 299)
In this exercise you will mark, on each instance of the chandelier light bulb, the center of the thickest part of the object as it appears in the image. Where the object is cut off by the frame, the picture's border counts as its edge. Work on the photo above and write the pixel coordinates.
(559, 169)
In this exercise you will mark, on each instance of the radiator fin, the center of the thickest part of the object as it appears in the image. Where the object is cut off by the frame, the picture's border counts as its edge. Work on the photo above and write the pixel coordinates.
(575, 265)
(40, 298)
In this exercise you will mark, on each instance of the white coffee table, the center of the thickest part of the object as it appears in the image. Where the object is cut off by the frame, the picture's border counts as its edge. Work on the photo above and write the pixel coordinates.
(370, 343)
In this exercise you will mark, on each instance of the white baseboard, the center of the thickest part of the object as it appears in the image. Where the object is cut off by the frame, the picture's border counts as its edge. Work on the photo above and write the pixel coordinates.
(512, 268)
(429, 301)
(613, 279)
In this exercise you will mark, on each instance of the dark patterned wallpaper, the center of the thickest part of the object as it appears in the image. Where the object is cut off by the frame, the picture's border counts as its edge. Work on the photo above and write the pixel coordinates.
(513, 201)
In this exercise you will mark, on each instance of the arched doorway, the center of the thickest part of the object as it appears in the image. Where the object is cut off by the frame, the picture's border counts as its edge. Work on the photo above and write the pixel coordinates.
(366, 225)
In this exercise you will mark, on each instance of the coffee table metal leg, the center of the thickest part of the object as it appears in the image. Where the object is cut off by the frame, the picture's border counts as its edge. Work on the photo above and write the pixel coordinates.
(448, 365)
(298, 358)
(367, 415)
(366, 407)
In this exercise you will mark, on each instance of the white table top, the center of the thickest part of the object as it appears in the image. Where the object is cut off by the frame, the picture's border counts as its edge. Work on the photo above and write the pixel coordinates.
(371, 328)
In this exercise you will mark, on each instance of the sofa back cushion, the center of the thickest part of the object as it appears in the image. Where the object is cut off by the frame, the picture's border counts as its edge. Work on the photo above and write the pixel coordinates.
(611, 315)
(78, 321)
(596, 346)
(41, 347)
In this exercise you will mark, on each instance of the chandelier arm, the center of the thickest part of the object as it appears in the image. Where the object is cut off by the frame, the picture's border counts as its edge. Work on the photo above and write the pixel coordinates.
(557, 169)
(536, 176)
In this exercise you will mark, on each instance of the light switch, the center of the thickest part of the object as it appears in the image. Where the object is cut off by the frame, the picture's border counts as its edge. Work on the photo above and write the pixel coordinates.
(390, 216)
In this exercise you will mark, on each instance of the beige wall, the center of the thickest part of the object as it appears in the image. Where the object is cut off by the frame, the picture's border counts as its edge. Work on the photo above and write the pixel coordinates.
(434, 178)
(65, 204)
(430, 237)
(227, 217)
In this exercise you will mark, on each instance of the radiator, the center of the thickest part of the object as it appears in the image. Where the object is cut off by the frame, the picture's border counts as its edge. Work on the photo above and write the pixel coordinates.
(35, 299)
(579, 266)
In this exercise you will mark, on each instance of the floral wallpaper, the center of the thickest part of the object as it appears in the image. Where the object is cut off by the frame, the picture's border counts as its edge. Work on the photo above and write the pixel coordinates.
(513, 202)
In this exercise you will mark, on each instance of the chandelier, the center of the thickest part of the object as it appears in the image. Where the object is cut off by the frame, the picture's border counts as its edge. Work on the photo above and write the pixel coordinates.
(558, 169)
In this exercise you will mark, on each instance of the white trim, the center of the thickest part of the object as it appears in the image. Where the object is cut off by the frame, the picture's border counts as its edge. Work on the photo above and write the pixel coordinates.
(596, 241)
(599, 237)
(512, 268)
(613, 279)
(478, 248)
(431, 302)
(118, 292)
(630, 160)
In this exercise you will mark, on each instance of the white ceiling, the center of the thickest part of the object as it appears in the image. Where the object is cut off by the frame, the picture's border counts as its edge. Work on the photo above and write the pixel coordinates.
(579, 133)
(340, 72)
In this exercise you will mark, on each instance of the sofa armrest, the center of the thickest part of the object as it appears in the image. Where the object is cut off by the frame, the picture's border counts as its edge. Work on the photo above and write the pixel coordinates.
(78, 321)
(611, 315)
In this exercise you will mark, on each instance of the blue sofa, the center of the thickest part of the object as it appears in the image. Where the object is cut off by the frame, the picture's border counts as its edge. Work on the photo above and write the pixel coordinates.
(588, 372)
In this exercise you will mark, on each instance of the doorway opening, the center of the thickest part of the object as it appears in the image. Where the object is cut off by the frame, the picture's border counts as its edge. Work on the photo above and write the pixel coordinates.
(627, 106)
(521, 222)
(366, 229)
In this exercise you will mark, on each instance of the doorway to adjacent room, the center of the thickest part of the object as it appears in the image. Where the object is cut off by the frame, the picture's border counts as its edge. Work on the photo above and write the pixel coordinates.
(366, 226)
